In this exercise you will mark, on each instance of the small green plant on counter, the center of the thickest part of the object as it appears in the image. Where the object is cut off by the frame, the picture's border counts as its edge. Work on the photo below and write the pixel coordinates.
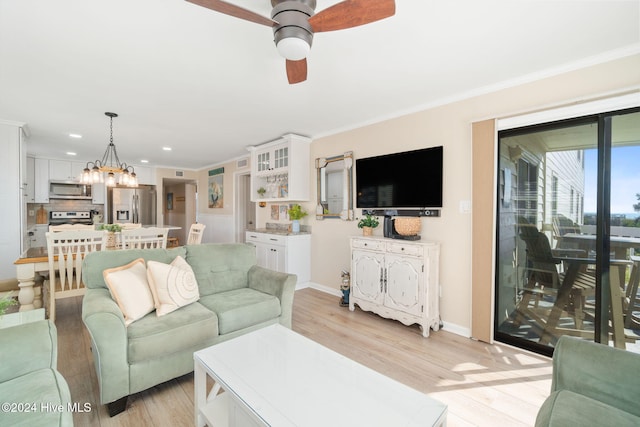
(6, 302)
(296, 212)
(261, 191)
(113, 228)
(369, 221)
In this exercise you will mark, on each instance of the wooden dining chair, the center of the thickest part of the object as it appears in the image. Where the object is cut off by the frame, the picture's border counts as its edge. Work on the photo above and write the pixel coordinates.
(195, 234)
(144, 238)
(65, 252)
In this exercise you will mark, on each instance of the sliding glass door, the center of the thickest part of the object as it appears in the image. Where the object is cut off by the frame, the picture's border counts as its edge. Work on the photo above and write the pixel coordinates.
(567, 239)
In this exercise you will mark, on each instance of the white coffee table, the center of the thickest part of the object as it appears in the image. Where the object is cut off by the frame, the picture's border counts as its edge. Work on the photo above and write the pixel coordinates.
(276, 377)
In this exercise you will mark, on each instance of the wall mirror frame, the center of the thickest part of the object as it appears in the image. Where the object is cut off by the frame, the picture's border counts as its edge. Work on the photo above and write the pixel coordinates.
(335, 187)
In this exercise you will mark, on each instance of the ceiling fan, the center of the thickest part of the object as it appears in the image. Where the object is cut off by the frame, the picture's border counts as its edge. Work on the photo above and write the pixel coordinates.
(294, 23)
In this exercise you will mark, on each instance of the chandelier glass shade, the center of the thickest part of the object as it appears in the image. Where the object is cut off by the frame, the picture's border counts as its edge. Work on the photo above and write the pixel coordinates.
(110, 169)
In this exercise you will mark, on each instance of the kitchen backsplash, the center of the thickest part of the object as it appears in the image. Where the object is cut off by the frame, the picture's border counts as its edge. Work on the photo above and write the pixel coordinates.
(60, 205)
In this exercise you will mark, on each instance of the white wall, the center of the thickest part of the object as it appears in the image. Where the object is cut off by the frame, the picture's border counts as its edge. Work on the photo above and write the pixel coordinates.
(450, 126)
(447, 125)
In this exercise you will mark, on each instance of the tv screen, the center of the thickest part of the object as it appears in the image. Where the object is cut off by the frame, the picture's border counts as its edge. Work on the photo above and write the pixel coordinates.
(411, 179)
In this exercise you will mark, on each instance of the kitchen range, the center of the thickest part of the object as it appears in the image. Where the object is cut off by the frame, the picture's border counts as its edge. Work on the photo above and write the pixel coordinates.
(74, 217)
(37, 235)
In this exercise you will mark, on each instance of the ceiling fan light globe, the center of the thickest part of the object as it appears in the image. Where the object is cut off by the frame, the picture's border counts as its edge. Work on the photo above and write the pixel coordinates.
(293, 48)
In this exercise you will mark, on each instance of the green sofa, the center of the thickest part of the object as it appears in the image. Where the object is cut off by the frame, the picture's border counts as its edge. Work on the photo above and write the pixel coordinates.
(592, 385)
(236, 297)
(32, 391)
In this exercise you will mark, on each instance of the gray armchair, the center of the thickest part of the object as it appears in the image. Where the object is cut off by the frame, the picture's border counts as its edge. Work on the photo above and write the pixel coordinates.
(592, 385)
(29, 376)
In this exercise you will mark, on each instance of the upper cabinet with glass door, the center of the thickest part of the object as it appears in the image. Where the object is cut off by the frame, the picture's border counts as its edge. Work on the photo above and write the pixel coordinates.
(280, 170)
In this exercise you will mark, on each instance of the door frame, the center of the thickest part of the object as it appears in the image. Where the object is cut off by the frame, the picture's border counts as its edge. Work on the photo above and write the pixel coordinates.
(241, 199)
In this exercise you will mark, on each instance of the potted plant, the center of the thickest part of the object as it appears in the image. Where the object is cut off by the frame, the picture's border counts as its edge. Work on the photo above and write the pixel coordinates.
(295, 215)
(6, 302)
(261, 191)
(368, 223)
(112, 229)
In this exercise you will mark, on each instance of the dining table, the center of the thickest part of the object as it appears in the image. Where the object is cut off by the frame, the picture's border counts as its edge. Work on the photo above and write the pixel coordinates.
(620, 246)
(29, 271)
(29, 267)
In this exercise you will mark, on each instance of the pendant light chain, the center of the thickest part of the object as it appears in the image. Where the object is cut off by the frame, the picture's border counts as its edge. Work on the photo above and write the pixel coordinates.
(110, 165)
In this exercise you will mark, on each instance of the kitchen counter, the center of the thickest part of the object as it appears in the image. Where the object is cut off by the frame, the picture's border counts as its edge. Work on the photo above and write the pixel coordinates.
(277, 231)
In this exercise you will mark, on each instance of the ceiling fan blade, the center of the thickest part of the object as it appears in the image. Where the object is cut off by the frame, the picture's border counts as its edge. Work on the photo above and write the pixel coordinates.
(235, 11)
(351, 13)
(296, 71)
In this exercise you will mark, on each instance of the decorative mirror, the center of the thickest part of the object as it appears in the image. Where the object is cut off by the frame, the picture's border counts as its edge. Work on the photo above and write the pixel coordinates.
(335, 187)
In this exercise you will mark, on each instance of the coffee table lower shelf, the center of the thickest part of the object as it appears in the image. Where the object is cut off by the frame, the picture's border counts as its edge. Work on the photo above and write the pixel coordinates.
(224, 412)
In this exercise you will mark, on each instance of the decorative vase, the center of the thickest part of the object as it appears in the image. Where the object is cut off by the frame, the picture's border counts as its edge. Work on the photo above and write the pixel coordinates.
(111, 239)
(295, 226)
(367, 231)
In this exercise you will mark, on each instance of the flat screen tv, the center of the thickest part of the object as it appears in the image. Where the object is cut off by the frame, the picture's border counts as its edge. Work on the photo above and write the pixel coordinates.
(411, 179)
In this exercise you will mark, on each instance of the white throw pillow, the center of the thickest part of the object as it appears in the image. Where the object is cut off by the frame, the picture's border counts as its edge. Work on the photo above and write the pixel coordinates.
(172, 285)
(129, 287)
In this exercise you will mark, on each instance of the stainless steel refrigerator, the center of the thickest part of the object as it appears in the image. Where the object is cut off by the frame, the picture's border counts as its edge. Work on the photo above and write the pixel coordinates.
(132, 205)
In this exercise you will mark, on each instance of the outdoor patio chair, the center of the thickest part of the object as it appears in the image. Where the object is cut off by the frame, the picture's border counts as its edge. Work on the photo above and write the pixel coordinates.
(543, 278)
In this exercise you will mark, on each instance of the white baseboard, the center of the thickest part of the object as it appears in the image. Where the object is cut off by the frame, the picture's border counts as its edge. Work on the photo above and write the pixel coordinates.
(456, 329)
(319, 287)
(446, 326)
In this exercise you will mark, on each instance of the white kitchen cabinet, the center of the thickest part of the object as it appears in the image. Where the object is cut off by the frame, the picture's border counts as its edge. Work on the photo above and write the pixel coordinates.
(397, 280)
(64, 170)
(12, 238)
(41, 178)
(39, 238)
(285, 253)
(281, 167)
(98, 193)
(30, 181)
(145, 175)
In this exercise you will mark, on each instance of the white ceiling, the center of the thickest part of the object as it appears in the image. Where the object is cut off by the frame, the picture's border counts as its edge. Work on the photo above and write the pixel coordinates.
(209, 85)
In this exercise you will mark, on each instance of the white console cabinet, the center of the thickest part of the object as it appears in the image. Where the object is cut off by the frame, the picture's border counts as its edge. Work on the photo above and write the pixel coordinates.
(397, 280)
(285, 253)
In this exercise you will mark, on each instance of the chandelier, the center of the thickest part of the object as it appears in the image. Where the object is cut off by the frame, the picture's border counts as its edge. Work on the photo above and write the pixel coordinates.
(116, 172)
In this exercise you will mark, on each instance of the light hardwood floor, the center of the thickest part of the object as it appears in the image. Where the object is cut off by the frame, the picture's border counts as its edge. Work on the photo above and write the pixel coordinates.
(483, 385)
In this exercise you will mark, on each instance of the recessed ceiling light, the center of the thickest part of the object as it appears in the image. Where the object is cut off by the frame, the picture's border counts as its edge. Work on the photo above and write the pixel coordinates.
(71, 153)
(75, 135)
(166, 148)
(144, 161)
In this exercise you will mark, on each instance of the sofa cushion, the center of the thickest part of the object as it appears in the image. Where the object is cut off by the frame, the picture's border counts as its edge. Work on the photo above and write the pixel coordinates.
(220, 267)
(240, 308)
(566, 408)
(44, 390)
(152, 337)
(95, 263)
(172, 285)
(129, 286)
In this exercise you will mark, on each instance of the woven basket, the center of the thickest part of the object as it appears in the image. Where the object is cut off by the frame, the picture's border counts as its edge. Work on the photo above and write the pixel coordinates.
(407, 226)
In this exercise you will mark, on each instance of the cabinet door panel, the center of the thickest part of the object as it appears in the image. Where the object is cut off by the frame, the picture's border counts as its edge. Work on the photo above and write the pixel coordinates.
(59, 170)
(368, 268)
(404, 283)
(275, 258)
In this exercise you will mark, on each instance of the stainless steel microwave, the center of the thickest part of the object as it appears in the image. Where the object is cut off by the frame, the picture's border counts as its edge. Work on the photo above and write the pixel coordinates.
(69, 190)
